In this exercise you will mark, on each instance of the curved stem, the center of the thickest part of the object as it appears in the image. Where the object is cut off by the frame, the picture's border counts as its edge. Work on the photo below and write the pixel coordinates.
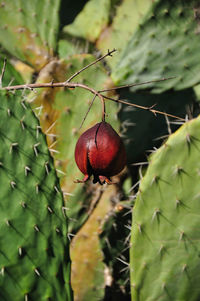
(68, 84)
(97, 94)
(90, 105)
(138, 84)
(57, 85)
(144, 108)
(109, 53)
(103, 109)
(78, 85)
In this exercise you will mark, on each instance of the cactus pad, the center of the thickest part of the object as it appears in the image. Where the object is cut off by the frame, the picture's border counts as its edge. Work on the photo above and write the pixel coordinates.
(125, 18)
(165, 246)
(165, 44)
(10, 75)
(28, 29)
(90, 21)
(34, 258)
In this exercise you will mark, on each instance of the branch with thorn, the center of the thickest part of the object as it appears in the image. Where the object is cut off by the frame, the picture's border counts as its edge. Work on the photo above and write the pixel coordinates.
(102, 97)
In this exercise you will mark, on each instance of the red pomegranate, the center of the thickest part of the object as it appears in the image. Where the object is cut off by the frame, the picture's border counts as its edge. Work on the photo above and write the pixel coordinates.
(100, 152)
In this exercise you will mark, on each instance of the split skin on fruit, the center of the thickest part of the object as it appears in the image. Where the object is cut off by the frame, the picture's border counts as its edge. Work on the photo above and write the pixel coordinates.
(100, 152)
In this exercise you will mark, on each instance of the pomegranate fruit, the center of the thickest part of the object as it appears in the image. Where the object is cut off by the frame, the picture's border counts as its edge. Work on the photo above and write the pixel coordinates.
(100, 152)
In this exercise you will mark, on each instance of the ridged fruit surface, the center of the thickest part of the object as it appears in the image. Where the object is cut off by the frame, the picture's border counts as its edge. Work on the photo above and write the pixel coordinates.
(100, 152)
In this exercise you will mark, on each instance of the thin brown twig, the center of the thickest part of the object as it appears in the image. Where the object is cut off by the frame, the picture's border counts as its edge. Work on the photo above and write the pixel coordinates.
(139, 84)
(60, 85)
(2, 72)
(109, 53)
(90, 105)
(101, 97)
(68, 84)
(144, 108)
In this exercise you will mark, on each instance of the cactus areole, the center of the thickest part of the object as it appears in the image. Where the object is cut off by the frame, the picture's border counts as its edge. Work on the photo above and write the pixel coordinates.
(100, 152)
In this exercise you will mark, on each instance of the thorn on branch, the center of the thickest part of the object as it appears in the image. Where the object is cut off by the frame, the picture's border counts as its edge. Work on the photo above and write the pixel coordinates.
(153, 106)
(28, 87)
(142, 107)
(52, 83)
(110, 52)
(151, 109)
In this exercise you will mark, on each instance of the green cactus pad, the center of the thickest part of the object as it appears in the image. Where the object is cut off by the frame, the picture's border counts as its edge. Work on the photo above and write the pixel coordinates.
(165, 243)
(67, 48)
(34, 258)
(10, 75)
(165, 44)
(28, 29)
(125, 18)
(90, 21)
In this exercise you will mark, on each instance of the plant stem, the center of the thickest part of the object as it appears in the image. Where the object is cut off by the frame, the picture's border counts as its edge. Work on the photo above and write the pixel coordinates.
(109, 53)
(79, 85)
(138, 84)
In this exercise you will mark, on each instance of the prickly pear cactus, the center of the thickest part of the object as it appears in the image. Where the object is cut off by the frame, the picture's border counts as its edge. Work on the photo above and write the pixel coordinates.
(34, 257)
(10, 75)
(176, 28)
(93, 16)
(28, 29)
(125, 17)
(165, 246)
